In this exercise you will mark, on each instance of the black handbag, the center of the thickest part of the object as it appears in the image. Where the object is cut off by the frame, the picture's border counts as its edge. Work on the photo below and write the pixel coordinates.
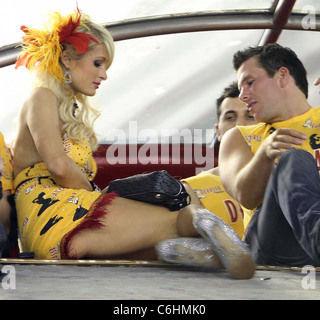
(158, 188)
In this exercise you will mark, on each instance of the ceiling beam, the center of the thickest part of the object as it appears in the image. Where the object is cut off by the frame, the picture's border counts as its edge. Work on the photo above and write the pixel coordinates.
(169, 24)
(191, 22)
(280, 18)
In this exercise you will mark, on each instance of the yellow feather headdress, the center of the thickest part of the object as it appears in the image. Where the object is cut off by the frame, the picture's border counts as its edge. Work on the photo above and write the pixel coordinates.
(41, 49)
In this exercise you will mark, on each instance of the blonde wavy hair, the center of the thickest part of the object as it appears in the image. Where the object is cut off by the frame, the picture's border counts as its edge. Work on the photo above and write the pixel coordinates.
(77, 123)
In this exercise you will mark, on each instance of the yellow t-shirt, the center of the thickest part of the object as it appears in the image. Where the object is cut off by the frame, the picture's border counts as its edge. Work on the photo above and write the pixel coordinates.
(214, 198)
(308, 123)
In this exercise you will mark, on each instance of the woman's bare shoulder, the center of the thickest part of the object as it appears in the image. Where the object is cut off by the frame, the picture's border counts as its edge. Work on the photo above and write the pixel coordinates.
(41, 93)
(37, 98)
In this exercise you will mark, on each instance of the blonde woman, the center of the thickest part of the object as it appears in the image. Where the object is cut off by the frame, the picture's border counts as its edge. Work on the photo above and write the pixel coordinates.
(60, 216)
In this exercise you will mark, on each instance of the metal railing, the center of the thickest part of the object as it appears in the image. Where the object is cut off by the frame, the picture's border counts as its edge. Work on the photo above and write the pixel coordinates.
(188, 22)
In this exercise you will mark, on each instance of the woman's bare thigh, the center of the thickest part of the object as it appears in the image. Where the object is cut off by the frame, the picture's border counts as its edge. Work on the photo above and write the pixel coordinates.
(128, 227)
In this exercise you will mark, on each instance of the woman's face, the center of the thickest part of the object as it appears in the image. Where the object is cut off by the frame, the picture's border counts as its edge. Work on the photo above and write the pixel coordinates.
(89, 71)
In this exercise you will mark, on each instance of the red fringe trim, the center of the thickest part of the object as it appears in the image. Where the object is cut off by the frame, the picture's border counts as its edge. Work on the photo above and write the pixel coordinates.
(91, 221)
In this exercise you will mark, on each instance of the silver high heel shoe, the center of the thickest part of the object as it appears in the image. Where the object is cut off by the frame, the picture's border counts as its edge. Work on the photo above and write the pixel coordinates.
(195, 252)
(232, 252)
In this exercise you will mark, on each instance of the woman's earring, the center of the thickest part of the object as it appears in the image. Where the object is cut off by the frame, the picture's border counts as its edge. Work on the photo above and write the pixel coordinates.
(67, 77)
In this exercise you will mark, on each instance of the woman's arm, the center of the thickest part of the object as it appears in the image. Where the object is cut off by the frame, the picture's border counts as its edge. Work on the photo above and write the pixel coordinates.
(42, 118)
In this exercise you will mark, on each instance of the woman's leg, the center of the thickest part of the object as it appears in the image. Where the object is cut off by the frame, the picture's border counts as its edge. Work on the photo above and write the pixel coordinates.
(185, 218)
(129, 227)
(132, 227)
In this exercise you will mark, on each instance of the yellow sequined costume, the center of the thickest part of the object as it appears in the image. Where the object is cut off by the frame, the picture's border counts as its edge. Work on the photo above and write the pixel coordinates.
(48, 215)
(214, 198)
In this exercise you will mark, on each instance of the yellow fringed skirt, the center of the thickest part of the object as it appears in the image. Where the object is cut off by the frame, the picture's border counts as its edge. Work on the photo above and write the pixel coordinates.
(48, 215)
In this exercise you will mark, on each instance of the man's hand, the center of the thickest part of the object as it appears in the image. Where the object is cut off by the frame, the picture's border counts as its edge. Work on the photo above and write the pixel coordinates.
(281, 140)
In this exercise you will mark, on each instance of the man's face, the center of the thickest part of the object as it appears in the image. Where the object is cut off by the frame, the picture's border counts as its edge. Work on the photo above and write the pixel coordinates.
(233, 112)
(259, 91)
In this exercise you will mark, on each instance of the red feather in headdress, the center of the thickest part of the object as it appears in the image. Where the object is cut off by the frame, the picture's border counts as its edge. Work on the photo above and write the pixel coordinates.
(41, 49)
(79, 40)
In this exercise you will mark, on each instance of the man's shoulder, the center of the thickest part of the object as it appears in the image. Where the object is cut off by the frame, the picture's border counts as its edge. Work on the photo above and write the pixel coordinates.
(253, 128)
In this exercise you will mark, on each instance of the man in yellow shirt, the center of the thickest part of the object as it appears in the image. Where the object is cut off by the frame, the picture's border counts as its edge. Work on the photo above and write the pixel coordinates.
(274, 166)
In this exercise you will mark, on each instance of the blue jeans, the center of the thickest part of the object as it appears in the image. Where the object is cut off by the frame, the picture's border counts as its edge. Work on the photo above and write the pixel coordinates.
(285, 229)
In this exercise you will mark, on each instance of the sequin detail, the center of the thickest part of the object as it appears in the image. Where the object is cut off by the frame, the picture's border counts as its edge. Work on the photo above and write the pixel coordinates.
(192, 252)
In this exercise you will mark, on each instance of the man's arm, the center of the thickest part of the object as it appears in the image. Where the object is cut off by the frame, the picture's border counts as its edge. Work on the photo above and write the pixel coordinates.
(245, 175)
(240, 173)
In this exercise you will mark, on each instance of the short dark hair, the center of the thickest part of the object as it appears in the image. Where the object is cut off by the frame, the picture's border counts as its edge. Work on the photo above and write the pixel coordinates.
(231, 91)
(272, 57)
